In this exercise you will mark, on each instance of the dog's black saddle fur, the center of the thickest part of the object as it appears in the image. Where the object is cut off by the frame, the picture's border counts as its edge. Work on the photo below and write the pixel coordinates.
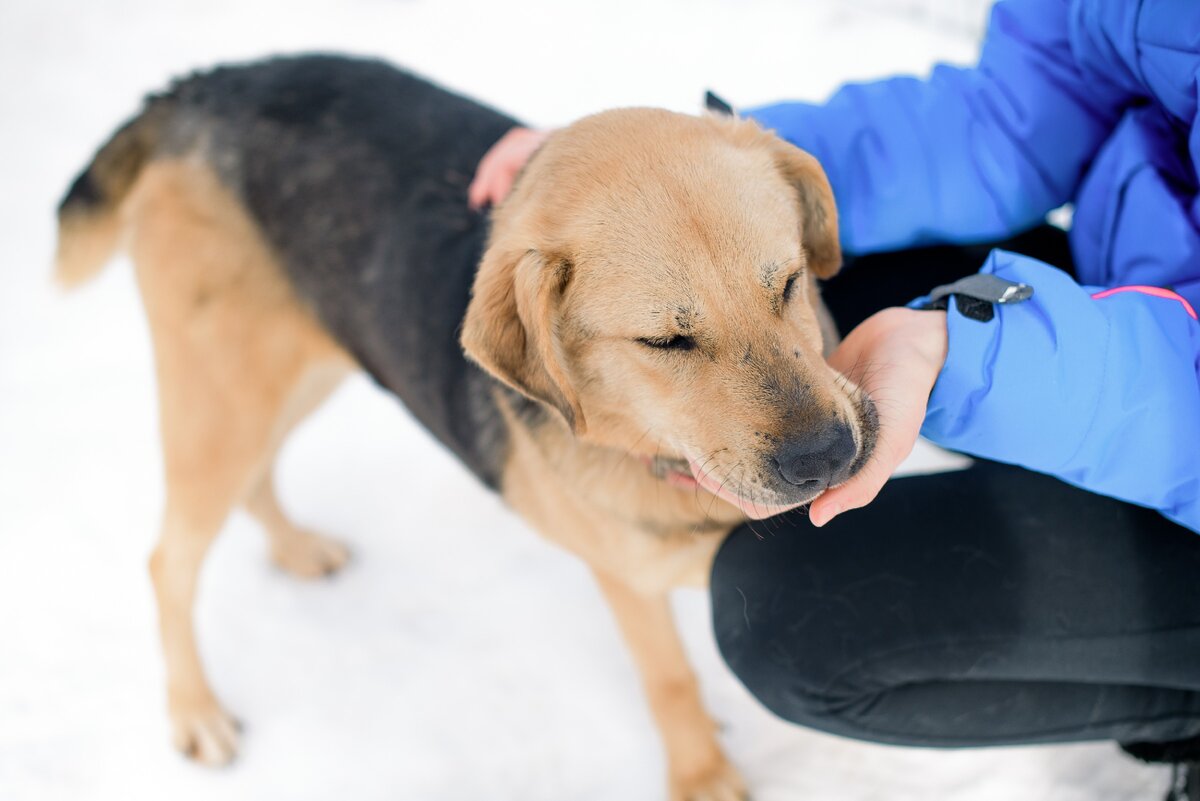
(357, 173)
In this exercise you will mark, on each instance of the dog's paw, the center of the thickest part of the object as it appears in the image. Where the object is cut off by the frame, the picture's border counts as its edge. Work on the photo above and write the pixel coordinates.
(204, 732)
(721, 782)
(309, 555)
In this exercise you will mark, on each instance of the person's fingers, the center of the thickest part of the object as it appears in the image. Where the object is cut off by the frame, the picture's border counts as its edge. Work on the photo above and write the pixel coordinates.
(900, 416)
(896, 356)
(901, 413)
(480, 190)
(477, 193)
(495, 189)
(492, 188)
(856, 493)
(864, 486)
(497, 170)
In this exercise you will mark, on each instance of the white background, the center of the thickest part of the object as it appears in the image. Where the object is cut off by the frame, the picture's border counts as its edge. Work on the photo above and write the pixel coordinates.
(458, 657)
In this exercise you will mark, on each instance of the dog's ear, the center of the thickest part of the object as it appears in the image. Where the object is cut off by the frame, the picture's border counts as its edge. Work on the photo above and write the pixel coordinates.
(510, 328)
(817, 208)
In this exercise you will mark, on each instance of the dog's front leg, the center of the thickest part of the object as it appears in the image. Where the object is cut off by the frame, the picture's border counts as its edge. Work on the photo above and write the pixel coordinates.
(697, 768)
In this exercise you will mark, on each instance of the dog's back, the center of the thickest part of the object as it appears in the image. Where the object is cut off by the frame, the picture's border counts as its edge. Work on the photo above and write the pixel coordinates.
(356, 175)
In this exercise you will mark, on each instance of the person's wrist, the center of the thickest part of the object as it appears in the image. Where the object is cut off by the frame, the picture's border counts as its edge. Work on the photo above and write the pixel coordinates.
(929, 337)
(922, 332)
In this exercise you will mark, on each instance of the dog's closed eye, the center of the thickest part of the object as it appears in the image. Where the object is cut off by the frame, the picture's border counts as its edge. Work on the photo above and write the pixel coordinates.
(790, 287)
(668, 343)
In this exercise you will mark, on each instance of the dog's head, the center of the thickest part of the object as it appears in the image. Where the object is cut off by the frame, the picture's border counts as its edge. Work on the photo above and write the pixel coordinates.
(653, 279)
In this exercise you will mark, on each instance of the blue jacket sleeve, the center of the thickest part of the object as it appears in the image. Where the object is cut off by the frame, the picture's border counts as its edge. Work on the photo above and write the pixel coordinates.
(968, 154)
(1101, 392)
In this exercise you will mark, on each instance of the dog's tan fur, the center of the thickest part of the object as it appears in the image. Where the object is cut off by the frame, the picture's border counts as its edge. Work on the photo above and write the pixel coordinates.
(239, 363)
(585, 258)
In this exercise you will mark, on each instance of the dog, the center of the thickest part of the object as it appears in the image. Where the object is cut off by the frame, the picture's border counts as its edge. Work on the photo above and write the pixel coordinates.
(630, 349)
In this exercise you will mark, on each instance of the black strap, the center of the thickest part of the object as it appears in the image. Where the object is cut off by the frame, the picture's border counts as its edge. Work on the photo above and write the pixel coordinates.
(977, 296)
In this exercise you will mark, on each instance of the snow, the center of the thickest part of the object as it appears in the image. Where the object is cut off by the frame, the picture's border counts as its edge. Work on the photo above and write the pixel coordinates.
(459, 656)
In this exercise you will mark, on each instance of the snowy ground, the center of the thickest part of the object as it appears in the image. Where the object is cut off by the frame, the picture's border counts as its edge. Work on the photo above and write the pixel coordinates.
(458, 657)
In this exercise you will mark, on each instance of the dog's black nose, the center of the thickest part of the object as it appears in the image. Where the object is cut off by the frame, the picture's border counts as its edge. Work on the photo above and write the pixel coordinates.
(819, 459)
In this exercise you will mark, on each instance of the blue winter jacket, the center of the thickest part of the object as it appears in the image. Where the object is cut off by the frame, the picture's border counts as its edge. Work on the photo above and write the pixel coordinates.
(1092, 102)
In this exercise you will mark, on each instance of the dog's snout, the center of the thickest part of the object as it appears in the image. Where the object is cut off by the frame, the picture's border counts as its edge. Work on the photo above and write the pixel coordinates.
(817, 460)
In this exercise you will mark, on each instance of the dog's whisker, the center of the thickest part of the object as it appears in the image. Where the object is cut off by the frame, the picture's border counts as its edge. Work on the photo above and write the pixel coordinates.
(629, 452)
(754, 503)
(699, 475)
(721, 487)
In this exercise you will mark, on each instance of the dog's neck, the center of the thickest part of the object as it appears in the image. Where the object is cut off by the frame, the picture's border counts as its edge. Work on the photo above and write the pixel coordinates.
(655, 493)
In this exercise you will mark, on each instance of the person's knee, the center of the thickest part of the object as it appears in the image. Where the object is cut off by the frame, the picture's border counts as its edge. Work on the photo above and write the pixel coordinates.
(801, 683)
(774, 684)
(804, 650)
(799, 687)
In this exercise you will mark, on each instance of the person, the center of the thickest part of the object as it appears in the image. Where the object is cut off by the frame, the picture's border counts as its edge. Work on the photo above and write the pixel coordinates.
(1051, 591)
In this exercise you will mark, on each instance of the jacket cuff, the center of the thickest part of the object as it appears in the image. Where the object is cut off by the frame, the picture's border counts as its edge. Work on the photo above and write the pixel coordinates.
(1007, 381)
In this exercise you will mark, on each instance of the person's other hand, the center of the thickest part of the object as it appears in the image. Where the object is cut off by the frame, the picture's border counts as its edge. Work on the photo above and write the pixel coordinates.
(499, 167)
(895, 357)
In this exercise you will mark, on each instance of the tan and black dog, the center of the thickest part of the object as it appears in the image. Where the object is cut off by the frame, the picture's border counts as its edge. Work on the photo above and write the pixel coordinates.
(644, 310)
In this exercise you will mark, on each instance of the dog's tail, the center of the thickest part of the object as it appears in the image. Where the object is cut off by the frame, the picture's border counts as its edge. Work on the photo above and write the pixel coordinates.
(88, 224)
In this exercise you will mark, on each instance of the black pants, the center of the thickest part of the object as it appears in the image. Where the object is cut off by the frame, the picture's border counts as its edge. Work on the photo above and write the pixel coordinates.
(987, 606)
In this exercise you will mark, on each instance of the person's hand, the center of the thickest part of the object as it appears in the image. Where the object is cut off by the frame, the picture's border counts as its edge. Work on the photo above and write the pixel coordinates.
(499, 167)
(895, 357)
